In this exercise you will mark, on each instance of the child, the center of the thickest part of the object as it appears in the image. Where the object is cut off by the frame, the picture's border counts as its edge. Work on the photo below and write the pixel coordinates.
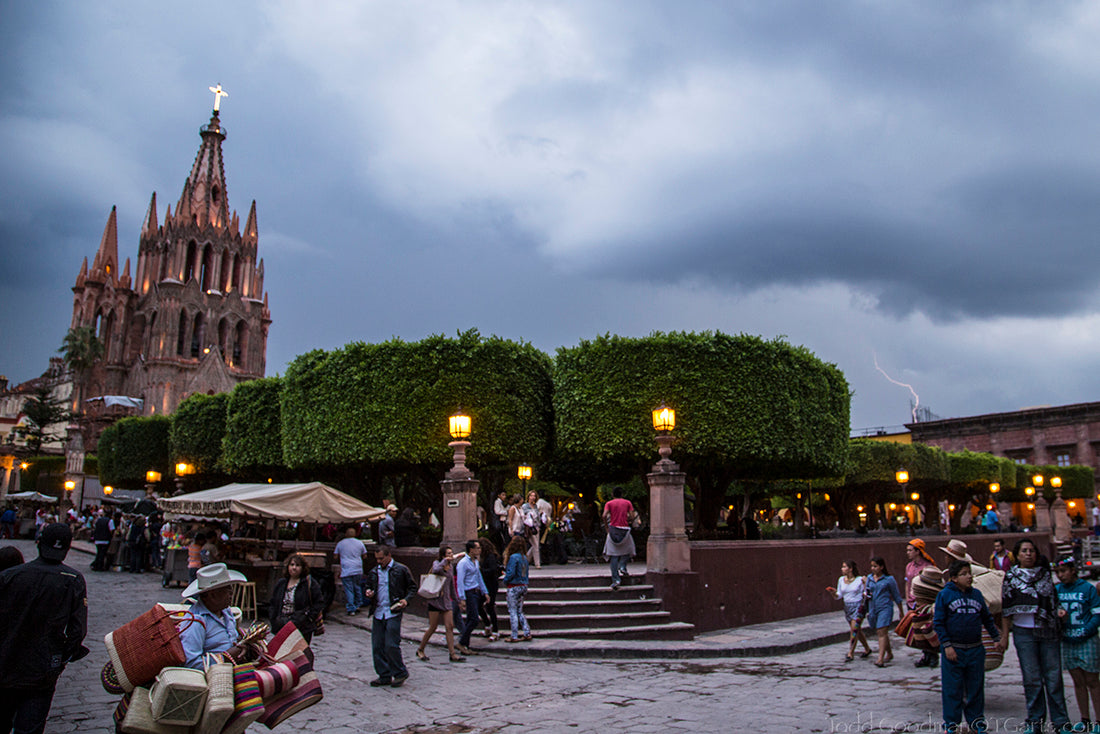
(1080, 615)
(959, 615)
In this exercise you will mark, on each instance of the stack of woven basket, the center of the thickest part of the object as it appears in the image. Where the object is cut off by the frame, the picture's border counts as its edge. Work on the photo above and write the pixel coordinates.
(925, 588)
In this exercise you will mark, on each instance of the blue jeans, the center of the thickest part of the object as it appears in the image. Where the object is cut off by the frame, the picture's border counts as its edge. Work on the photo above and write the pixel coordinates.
(1041, 668)
(618, 565)
(473, 607)
(516, 595)
(385, 644)
(963, 689)
(353, 592)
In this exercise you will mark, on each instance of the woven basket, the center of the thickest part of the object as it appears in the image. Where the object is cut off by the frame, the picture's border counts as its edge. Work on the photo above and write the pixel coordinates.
(219, 699)
(140, 648)
(139, 717)
(178, 696)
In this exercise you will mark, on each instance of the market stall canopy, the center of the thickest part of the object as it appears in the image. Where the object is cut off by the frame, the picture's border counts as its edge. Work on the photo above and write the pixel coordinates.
(32, 497)
(313, 502)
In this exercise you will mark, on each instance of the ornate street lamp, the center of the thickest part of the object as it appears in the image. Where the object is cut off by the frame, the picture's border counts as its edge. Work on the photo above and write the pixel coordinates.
(459, 426)
(1056, 482)
(664, 421)
(524, 473)
(902, 476)
(152, 477)
(1037, 480)
(70, 485)
(108, 490)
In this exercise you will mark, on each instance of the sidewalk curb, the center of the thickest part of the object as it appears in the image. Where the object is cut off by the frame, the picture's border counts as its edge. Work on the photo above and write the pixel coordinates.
(551, 648)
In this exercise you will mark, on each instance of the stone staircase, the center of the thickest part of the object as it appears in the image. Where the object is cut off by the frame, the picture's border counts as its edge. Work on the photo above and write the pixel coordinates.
(580, 604)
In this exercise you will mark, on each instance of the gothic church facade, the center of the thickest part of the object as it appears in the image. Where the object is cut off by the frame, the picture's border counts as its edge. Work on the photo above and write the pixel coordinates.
(194, 317)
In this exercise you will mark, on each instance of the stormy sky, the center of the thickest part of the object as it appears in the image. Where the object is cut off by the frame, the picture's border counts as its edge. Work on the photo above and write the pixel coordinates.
(915, 184)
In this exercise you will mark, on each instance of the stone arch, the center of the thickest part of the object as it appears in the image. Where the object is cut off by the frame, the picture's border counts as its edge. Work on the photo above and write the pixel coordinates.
(197, 334)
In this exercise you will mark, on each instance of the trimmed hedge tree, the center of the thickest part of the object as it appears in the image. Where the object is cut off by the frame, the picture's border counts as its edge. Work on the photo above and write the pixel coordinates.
(253, 445)
(131, 447)
(198, 427)
(382, 409)
(745, 407)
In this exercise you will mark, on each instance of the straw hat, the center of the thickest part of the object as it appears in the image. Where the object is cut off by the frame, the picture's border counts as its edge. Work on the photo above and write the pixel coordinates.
(211, 577)
(957, 549)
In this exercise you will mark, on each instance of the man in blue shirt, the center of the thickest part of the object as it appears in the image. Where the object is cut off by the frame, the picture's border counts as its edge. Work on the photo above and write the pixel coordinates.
(390, 586)
(471, 590)
(214, 629)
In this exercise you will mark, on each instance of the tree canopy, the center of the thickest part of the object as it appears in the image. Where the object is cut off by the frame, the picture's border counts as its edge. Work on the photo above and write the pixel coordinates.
(746, 408)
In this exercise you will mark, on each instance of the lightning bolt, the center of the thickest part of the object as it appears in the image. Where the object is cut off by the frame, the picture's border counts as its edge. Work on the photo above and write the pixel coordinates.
(916, 398)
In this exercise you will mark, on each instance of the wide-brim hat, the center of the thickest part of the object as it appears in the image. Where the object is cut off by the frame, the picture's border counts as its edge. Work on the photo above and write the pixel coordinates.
(211, 577)
(391, 508)
(957, 549)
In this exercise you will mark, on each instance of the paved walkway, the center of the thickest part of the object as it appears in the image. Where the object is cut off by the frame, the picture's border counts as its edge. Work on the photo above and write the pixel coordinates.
(501, 690)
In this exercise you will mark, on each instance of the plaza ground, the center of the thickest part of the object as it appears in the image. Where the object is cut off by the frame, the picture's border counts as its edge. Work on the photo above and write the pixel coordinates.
(504, 690)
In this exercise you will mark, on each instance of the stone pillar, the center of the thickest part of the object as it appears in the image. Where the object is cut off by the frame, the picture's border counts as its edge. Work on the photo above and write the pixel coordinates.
(1060, 517)
(74, 468)
(459, 501)
(1042, 515)
(7, 466)
(667, 550)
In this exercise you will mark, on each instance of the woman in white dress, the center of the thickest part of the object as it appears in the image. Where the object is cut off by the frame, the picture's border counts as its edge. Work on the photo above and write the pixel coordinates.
(849, 588)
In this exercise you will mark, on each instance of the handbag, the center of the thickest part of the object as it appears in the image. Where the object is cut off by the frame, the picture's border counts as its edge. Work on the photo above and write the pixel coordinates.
(139, 649)
(319, 622)
(431, 585)
(219, 698)
(178, 696)
(902, 630)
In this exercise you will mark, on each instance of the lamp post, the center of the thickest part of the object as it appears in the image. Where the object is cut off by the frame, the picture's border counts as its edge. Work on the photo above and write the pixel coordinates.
(1058, 511)
(182, 470)
(459, 486)
(901, 476)
(152, 478)
(524, 473)
(667, 550)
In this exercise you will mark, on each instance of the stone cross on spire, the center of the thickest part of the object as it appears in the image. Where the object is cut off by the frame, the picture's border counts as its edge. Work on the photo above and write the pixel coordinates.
(218, 94)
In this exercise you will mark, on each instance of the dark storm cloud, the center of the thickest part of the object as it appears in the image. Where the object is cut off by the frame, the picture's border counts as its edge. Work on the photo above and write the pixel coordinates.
(857, 176)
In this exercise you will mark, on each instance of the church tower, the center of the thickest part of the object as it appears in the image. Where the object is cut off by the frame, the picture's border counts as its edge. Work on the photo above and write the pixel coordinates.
(195, 318)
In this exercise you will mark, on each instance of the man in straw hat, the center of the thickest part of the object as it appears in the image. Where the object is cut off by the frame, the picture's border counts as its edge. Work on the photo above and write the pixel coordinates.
(215, 628)
(44, 605)
(918, 561)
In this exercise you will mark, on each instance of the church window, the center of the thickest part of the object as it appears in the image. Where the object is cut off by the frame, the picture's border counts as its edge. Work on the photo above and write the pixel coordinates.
(239, 343)
(182, 333)
(189, 263)
(197, 336)
(207, 273)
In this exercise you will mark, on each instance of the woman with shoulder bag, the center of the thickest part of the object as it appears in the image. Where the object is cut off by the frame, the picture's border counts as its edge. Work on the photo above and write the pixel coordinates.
(297, 598)
(439, 608)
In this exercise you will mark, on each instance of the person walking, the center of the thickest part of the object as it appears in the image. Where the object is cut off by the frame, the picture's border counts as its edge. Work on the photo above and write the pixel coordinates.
(849, 588)
(472, 591)
(880, 594)
(296, 597)
(516, 580)
(138, 540)
(44, 608)
(532, 526)
(440, 608)
(491, 569)
(918, 561)
(1079, 611)
(960, 613)
(1001, 559)
(619, 544)
(515, 517)
(102, 531)
(350, 551)
(1030, 612)
(387, 529)
(390, 586)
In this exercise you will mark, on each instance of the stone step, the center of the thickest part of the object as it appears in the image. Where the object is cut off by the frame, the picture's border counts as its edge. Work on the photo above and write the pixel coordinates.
(587, 593)
(547, 622)
(576, 579)
(597, 606)
(668, 631)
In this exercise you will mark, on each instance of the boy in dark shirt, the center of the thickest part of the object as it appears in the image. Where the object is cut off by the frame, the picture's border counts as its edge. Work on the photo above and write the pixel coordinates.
(960, 613)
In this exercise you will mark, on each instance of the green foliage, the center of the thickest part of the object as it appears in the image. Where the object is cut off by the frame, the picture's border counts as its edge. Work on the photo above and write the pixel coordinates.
(1078, 481)
(746, 407)
(132, 446)
(45, 474)
(387, 404)
(81, 348)
(871, 462)
(253, 427)
(43, 410)
(197, 430)
(977, 470)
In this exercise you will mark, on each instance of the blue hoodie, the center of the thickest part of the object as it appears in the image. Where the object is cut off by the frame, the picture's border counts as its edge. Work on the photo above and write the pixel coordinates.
(959, 616)
(1082, 604)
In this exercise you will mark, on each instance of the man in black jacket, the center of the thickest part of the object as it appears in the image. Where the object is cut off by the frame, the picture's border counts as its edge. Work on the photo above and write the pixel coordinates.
(102, 531)
(44, 608)
(388, 600)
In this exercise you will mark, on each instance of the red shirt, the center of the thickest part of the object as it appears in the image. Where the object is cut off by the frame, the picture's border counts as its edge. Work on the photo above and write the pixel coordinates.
(618, 511)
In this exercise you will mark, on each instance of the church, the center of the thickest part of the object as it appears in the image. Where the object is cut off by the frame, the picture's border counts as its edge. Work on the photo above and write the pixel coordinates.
(193, 317)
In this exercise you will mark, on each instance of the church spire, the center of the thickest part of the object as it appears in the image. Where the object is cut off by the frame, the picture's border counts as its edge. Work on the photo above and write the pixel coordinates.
(204, 201)
(105, 266)
(149, 226)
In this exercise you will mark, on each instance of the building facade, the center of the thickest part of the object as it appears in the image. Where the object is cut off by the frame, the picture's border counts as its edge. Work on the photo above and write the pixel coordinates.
(1058, 436)
(194, 316)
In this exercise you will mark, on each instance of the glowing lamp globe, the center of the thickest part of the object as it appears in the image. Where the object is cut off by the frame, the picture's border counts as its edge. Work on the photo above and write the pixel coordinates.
(902, 476)
(994, 487)
(523, 472)
(1056, 482)
(108, 490)
(459, 426)
(664, 418)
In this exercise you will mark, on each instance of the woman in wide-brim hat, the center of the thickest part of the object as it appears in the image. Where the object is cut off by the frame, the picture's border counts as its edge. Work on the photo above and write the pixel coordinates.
(214, 628)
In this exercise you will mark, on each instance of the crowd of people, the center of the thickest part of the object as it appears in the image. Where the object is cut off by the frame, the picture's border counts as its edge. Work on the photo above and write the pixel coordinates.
(1051, 616)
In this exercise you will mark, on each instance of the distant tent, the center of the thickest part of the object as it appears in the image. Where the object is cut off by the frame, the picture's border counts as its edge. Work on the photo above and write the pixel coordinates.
(312, 502)
(32, 497)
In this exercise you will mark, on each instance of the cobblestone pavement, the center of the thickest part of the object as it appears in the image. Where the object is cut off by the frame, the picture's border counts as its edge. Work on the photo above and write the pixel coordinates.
(812, 691)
